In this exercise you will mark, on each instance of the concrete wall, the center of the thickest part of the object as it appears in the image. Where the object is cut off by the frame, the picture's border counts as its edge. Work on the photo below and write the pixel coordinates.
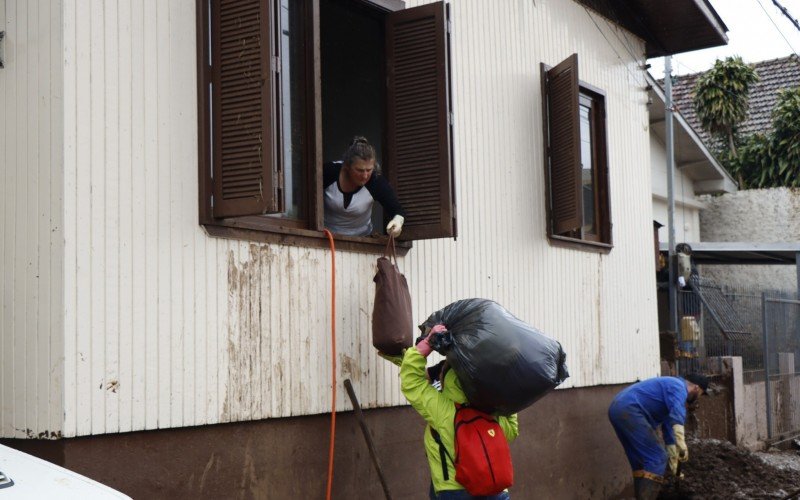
(765, 215)
(566, 450)
(738, 409)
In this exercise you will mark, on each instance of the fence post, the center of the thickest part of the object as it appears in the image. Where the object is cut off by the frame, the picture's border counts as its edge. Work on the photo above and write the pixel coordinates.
(767, 388)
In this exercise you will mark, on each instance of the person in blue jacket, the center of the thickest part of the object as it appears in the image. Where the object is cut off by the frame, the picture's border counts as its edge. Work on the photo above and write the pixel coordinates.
(638, 411)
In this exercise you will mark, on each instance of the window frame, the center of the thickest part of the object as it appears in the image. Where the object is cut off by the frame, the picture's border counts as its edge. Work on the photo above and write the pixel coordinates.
(261, 228)
(601, 242)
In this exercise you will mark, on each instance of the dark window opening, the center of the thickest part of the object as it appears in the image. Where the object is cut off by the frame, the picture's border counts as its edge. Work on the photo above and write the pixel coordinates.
(353, 60)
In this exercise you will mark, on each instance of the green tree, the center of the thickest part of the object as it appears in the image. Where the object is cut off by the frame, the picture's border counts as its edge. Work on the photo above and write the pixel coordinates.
(786, 137)
(771, 160)
(721, 98)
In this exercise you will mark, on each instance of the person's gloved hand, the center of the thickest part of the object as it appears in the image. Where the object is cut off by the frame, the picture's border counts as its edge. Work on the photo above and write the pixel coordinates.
(672, 453)
(680, 442)
(396, 360)
(395, 226)
(423, 346)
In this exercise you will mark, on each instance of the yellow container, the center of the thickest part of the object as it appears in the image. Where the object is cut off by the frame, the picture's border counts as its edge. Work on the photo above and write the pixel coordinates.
(690, 330)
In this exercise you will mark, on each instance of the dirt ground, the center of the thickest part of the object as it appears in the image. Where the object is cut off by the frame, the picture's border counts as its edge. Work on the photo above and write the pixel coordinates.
(719, 470)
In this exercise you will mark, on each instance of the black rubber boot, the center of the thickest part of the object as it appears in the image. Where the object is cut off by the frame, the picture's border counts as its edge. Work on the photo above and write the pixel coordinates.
(646, 489)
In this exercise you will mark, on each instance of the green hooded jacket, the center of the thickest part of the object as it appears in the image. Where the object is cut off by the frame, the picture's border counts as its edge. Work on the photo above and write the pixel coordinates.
(439, 411)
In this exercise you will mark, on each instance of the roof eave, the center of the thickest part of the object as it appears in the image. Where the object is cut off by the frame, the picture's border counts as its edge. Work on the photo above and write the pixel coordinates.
(720, 181)
(666, 27)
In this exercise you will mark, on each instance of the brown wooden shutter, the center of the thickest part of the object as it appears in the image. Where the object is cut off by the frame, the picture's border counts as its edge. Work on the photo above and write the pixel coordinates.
(564, 146)
(242, 108)
(419, 135)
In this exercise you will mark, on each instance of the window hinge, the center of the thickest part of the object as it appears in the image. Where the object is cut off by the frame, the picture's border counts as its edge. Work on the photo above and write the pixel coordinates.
(212, 201)
(276, 64)
(450, 118)
(449, 26)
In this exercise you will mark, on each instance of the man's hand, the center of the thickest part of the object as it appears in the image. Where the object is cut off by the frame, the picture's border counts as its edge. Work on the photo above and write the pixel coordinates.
(672, 453)
(423, 346)
(395, 226)
(680, 442)
(396, 360)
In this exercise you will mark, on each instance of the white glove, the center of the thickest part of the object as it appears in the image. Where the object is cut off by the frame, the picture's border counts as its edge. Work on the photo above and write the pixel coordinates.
(680, 442)
(395, 226)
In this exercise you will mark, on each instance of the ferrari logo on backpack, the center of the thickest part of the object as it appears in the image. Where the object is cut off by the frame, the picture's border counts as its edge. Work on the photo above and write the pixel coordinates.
(491, 432)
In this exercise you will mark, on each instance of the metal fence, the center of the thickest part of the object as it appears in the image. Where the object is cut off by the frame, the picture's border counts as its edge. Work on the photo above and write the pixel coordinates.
(760, 326)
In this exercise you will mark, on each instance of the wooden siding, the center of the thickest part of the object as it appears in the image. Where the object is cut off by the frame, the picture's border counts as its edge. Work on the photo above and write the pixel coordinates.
(687, 206)
(167, 327)
(31, 225)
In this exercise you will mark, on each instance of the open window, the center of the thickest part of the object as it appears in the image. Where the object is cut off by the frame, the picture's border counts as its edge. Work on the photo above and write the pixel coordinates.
(576, 166)
(285, 85)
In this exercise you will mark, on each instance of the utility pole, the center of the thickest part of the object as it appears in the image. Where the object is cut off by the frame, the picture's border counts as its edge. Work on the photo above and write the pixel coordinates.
(673, 263)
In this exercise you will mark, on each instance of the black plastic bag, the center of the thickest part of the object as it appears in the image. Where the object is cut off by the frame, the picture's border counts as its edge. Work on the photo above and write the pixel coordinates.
(504, 365)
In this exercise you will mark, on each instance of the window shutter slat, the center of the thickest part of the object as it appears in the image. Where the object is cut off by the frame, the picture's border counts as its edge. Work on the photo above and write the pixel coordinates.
(242, 108)
(564, 146)
(419, 135)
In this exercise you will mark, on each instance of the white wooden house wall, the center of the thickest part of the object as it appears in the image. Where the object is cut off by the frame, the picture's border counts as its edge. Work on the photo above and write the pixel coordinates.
(164, 326)
(687, 207)
(31, 219)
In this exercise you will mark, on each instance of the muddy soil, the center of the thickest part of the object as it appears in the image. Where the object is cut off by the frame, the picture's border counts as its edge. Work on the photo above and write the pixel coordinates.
(719, 470)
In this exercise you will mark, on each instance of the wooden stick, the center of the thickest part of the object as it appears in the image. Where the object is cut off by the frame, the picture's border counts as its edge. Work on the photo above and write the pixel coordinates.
(361, 422)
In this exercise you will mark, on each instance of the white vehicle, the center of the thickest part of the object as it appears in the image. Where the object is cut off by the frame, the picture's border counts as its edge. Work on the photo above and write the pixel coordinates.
(28, 477)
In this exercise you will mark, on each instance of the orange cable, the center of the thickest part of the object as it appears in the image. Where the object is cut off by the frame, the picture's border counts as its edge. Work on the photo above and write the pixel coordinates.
(333, 363)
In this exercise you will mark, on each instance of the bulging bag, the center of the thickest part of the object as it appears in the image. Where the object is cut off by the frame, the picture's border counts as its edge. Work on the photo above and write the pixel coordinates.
(392, 322)
(503, 364)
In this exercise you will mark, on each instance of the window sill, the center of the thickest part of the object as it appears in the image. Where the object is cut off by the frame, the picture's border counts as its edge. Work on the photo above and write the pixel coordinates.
(251, 229)
(576, 244)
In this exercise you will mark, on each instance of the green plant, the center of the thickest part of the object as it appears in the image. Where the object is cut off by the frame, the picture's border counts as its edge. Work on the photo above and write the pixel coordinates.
(721, 97)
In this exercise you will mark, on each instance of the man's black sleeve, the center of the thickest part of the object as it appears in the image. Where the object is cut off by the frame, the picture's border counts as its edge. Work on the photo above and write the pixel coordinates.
(330, 173)
(382, 191)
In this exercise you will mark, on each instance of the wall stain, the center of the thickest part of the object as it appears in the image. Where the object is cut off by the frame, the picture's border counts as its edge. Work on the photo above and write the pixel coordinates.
(273, 312)
(349, 367)
(247, 335)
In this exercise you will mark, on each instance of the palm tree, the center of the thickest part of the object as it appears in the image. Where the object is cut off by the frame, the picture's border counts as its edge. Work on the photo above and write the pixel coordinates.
(721, 97)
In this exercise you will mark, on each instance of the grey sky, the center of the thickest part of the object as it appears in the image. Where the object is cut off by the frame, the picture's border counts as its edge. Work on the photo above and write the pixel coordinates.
(751, 34)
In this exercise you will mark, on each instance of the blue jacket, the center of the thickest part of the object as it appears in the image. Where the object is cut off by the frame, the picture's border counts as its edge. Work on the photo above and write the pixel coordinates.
(662, 401)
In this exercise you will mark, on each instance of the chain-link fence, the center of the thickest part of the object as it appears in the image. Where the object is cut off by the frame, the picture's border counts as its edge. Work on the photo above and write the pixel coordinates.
(760, 326)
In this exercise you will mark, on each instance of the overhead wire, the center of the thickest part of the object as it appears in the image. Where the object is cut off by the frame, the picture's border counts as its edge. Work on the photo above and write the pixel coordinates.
(640, 79)
(776, 26)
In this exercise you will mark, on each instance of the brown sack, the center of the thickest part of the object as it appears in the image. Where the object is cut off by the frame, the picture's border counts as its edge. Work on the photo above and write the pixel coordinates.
(392, 324)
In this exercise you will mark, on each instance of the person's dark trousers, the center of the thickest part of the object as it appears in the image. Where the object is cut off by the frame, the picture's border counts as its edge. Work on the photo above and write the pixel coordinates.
(464, 495)
(646, 489)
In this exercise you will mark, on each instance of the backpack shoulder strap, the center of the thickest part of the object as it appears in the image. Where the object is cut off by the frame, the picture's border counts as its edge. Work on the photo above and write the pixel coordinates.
(443, 454)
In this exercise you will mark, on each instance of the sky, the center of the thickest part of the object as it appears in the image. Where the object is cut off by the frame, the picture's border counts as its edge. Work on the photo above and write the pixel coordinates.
(751, 34)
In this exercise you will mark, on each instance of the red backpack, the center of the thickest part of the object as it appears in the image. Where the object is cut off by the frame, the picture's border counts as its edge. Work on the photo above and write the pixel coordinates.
(483, 460)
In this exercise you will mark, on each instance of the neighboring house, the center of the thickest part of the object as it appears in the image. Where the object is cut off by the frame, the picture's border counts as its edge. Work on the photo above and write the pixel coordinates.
(751, 216)
(147, 296)
(697, 171)
(774, 75)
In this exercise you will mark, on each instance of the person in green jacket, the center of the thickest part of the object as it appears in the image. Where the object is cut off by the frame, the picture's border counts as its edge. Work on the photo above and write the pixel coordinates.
(438, 409)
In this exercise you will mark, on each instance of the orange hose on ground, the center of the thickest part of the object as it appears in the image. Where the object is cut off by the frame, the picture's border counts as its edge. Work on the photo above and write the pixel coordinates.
(333, 364)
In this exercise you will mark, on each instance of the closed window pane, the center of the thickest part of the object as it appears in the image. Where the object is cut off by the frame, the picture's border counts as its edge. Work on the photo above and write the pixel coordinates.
(588, 190)
(293, 104)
